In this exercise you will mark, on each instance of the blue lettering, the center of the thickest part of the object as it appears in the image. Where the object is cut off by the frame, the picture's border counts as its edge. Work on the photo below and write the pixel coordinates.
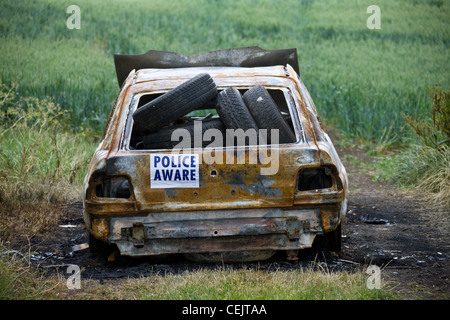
(173, 163)
(193, 161)
(184, 163)
(177, 176)
(167, 174)
(165, 161)
(185, 175)
(157, 175)
(157, 159)
(193, 175)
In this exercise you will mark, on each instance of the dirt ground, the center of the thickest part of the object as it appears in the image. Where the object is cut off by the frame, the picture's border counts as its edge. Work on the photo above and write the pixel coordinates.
(396, 231)
(384, 227)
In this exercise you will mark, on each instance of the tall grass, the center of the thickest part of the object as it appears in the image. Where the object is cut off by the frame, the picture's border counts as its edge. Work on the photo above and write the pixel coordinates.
(241, 284)
(360, 79)
(260, 285)
(429, 171)
(425, 165)
(42, 163)
(21, 281)
(37, 146)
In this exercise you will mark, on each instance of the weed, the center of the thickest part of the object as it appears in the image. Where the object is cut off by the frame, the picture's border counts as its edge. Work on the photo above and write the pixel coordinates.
(42, 163)
(19, 280)
(436, 133)
(425, 166)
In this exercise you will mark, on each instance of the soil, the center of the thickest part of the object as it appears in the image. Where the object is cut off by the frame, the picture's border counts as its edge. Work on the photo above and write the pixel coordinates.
(397, 231)
(385, 227)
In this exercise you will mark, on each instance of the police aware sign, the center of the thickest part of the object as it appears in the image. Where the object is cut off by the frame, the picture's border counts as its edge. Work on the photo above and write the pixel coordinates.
(174, 171)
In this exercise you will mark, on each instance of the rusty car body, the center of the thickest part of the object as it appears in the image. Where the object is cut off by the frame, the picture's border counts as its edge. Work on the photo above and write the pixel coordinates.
(234, 209)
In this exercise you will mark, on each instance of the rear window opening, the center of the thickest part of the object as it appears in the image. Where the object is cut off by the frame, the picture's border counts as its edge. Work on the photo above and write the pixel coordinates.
(203, 118)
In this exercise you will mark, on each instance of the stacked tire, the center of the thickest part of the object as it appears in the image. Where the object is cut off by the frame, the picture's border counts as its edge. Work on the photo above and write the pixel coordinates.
(266, 114)
(174, 104)
(255, 109)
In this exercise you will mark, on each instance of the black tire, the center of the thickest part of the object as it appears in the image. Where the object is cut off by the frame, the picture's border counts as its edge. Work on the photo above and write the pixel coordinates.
(331, 241)
(266, 114)
(163, 138)
(174, 104)
(233, 111)
(98, 247)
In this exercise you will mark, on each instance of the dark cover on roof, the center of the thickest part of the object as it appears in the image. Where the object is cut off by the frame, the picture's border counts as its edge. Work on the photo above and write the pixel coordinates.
(235, 57)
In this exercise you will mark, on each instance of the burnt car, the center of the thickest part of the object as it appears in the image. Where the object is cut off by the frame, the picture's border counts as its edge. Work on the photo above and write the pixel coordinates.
(217, 156)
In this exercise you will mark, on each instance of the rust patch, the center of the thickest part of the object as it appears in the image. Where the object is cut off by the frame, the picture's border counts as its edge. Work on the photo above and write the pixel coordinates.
(330, 219)
(100, 228)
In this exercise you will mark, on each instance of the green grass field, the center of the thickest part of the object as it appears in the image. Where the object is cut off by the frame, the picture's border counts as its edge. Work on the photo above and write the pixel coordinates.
(361, 79)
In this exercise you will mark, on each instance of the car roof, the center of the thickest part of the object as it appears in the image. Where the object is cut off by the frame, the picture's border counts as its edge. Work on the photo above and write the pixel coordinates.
(144, 75)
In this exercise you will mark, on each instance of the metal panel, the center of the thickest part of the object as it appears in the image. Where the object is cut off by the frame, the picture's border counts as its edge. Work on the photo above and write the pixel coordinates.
(235, 57)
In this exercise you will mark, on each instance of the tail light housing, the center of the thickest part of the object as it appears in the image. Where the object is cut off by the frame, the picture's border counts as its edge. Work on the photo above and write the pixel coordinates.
(113, 187)
(314, 178)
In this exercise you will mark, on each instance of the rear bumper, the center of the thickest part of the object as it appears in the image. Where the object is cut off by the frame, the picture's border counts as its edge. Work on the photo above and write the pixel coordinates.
(290, 228)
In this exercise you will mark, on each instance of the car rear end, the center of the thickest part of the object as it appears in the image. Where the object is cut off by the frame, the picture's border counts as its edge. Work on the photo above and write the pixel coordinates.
(242, 199)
